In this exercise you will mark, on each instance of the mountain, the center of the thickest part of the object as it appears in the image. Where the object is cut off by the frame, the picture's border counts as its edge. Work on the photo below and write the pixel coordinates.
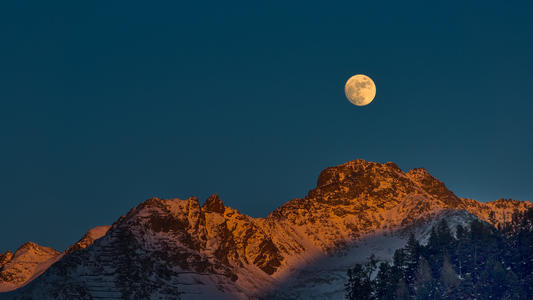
(28, 261)
(169, 249)
(31, 260)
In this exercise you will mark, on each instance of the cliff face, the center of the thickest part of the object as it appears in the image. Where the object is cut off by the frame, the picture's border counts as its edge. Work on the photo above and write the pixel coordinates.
(179, 248)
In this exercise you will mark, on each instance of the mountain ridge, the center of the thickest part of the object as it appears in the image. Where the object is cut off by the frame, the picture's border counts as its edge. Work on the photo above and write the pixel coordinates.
(187, 245)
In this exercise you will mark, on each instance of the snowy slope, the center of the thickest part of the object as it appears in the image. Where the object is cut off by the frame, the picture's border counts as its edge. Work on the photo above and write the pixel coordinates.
(325, 277)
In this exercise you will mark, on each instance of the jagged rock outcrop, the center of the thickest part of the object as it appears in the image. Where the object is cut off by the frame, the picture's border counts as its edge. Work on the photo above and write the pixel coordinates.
(5, 258)
(180, 249)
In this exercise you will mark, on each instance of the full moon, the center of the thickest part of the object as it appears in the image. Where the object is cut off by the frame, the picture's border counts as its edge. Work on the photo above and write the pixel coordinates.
(360, 90)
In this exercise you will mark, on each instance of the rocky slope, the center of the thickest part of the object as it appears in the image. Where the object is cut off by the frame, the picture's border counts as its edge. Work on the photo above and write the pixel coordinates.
(168, 249)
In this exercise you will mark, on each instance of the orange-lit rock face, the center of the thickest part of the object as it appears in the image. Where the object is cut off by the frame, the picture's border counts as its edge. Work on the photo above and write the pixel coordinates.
(359, 197)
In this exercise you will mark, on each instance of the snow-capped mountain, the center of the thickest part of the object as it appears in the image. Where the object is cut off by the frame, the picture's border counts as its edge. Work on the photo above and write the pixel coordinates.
(169, 249)
(31, 260)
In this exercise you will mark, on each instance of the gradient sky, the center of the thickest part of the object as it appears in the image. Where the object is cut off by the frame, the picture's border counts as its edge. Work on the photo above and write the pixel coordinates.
(105, 104)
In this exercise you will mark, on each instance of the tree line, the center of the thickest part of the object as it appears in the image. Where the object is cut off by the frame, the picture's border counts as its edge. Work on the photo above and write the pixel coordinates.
(479, 261)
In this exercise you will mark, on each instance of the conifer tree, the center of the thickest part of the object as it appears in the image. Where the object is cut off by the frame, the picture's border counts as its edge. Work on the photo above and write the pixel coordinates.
(449, 278)
(412, 254)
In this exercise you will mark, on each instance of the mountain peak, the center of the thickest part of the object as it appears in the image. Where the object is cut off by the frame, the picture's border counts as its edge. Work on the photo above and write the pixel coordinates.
(28, 260)
(31, 248)
(351, 171)
(214, 204)
(88, 239)
(28, 245)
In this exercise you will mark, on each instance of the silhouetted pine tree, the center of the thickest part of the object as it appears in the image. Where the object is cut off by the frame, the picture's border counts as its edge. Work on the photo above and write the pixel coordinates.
(411, 256)
(360, 285)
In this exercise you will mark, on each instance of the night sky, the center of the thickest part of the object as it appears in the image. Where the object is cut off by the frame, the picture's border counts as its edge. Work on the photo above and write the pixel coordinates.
(106, 104)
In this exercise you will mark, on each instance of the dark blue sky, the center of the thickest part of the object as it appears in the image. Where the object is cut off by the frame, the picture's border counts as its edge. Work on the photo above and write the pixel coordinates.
(105, 104)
